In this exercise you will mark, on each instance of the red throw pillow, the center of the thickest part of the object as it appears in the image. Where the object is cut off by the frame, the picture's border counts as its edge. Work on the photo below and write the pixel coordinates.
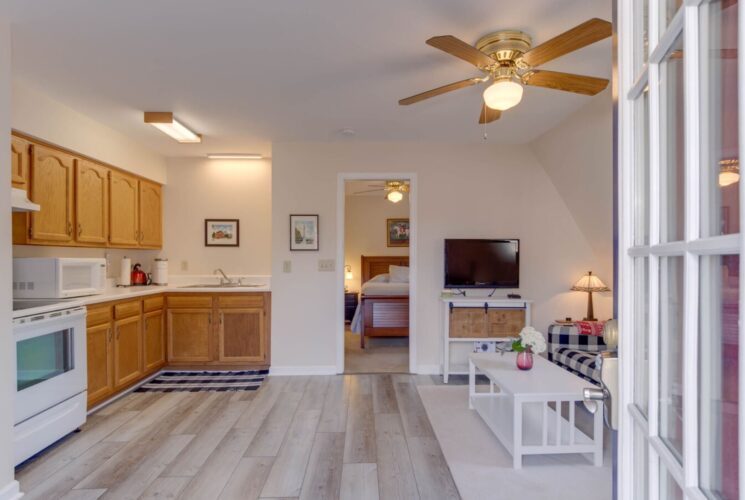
(594, 328)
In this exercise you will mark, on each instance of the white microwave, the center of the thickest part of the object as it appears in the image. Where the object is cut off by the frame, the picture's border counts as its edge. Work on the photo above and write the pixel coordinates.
(56, 278)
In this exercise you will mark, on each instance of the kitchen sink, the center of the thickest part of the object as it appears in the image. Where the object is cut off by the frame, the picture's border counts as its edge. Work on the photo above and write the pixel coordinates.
(222, 285)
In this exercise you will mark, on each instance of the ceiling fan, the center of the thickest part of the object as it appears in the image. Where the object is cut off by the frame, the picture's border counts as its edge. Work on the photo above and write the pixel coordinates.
(394, 190)
(508, 59)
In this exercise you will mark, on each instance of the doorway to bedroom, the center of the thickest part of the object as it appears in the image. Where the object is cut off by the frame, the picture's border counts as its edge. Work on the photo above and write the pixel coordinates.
(377, 233)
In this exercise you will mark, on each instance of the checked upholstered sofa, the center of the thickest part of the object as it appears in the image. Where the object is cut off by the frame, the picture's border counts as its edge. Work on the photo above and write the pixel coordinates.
(575, 351)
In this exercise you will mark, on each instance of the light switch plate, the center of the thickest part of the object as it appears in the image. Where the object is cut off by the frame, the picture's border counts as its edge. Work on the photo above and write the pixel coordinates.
(287, 266)
(326, 265)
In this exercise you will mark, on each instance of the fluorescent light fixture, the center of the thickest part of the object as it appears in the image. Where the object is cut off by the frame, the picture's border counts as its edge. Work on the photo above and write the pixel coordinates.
(235, 156)
(166, 123)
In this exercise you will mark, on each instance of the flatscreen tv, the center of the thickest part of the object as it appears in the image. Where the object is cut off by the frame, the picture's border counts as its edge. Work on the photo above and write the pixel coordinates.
(482, 263)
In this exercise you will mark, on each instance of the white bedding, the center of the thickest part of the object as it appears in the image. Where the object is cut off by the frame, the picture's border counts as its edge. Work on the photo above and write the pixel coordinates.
(376, 288)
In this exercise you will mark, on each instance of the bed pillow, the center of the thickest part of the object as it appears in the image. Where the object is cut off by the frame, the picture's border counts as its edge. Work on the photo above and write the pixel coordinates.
(399, 274)
(380, 278)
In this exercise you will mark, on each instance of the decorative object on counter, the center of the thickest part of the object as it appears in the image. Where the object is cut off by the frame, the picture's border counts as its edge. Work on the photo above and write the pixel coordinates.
(125, 272)
(304, 232)
(160, 271)
(589, 283)
(531, 342)
(398, 232)
(139, 278)
(221, 233)
(199, 381)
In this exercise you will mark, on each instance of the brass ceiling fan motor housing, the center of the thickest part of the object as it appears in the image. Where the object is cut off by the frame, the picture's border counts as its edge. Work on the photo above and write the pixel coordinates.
(505, 46)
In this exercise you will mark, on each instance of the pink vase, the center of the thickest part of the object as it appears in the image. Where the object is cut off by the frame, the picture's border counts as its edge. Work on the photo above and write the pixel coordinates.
(525, 359)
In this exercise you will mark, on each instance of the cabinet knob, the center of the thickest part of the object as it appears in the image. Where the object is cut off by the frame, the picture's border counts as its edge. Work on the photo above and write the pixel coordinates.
(80, 229)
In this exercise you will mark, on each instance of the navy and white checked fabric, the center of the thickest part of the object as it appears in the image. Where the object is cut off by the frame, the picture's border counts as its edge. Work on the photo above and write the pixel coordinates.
(575, 352)
(198, 381)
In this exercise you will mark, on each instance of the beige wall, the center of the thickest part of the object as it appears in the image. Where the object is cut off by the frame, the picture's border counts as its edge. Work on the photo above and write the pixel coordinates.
(365, 230)
(199, 189)
(39, 115)
(463, 191)
(7, 345)
(577, 155)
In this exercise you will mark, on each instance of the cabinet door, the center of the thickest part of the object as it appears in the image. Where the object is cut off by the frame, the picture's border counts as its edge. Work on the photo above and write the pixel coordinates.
(127, 350)
(19, 163)
(189, 335)
(155, 342)
(151, 232)
(92, 202)
(505, 322)
(52, 174)
(241, 335)
(123, 195)
(100, 363)
(468, 322)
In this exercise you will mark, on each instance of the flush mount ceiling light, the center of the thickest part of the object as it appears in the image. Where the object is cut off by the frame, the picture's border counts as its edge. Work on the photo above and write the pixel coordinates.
(729, 171)
(235, 156)
(166, 123)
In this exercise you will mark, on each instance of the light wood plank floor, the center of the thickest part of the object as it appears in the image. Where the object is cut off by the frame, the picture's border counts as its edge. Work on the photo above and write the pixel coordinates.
(337, 437)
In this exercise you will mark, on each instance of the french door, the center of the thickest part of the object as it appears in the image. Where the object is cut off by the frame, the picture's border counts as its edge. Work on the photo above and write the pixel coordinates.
(680, 130)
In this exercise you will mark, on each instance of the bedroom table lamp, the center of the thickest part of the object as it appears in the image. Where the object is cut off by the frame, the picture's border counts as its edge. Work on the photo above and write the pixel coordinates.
(347, 276)
(589, 283)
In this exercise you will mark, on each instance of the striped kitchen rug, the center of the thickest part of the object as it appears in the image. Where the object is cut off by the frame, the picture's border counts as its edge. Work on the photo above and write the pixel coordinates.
(182, 381)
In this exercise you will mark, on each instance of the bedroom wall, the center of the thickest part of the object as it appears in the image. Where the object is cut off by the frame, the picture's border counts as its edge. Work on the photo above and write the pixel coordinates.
(464, 191)
(365, 230)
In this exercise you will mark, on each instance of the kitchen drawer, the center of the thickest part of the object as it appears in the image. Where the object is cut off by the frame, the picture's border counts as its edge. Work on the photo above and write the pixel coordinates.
(98, 314)
(127, 309)
(242, 300)
(191, 301)
(153, 303)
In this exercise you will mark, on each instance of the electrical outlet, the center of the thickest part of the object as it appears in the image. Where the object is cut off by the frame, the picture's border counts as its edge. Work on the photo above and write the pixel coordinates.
(326, 265)
(287, 266)
(184, 265)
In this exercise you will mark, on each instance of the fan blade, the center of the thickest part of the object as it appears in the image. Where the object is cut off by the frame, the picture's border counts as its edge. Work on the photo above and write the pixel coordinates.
(458, 48)
(369, 191)
(579, 84)
(580, 36)
(439, 90)
(489, 115)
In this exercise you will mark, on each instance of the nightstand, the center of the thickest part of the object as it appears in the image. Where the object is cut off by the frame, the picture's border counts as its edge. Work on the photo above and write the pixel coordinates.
(350, 305)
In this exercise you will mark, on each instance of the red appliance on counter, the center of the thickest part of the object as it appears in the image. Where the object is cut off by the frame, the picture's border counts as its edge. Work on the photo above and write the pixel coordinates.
(139, 277)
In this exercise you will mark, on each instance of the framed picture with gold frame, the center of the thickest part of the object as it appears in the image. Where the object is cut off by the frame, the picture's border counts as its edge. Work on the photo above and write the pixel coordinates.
(397, 231)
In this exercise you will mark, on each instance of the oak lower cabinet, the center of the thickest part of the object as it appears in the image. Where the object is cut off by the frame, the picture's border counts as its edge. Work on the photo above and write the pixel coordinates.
(100, 362)
(155, 340)
(189, 335)
(241, 336)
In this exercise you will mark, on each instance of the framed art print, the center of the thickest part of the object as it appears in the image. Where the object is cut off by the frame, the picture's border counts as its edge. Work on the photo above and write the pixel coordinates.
(303, 232)
(221, 233)
(398, 232)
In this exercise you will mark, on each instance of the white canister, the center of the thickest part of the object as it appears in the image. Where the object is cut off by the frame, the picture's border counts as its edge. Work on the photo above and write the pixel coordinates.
(125, 272)
(160, 272)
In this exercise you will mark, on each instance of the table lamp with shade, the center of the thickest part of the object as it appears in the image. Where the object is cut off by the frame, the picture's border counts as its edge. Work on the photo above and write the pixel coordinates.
(589, 283)
(347, 276)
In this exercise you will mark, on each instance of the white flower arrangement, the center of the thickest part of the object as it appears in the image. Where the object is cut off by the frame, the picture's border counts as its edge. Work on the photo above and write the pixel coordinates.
(530, 338)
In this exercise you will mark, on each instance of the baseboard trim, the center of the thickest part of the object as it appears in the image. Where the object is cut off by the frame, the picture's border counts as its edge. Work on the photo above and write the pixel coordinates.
(303, 370)
(429, 369)
(11, 491)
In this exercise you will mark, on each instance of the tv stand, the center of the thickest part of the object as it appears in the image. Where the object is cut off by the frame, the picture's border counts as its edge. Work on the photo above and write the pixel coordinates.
(476, 319)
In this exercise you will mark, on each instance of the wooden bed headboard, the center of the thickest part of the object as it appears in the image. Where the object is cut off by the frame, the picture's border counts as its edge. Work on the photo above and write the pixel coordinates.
(373, 266)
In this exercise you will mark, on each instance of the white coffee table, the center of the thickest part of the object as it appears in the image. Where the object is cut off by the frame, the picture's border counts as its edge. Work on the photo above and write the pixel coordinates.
(516, 407)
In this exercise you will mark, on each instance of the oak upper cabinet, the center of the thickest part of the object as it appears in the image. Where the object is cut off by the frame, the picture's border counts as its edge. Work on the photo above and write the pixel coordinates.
(52, 175)
(100, 362)
(123, 209)
(92, 203)
(241, 335)
(155, 341)
(127, 350)
(19, 162)
(189, 335)
(151, 227)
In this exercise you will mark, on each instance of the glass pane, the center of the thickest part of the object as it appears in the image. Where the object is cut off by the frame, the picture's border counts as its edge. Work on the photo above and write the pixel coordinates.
(718, 351)
(44, 357)
(671, 353)
(668, 10)
(669, 489)
(720, 157)
(641, 35)
(641, 333)
(641, 170)
(672, 151)
(641, 463)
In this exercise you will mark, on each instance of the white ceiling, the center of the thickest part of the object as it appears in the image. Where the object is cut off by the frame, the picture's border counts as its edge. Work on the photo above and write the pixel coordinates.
(248, 73)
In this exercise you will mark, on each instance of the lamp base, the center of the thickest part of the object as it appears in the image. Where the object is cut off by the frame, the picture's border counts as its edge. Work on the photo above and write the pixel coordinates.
(589, 319)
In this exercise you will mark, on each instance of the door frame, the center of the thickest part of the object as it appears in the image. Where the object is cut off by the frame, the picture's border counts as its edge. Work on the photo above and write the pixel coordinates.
(340, 257)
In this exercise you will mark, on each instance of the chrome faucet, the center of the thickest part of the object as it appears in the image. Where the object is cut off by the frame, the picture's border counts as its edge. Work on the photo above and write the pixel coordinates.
(224, 278)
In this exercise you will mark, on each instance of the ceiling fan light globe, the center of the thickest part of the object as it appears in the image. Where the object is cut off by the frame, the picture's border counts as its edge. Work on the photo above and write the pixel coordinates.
(728, 178)
(395, 196)
(503, 95)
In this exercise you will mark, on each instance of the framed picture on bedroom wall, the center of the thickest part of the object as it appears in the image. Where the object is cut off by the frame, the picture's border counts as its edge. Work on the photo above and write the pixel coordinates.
(303, 232)
(398, 232)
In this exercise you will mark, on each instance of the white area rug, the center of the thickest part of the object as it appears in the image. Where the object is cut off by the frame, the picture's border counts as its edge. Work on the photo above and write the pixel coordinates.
(482, 467)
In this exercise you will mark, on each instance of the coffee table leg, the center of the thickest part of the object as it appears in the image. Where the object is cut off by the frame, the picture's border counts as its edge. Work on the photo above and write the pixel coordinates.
(517, 438)
(471, 383)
